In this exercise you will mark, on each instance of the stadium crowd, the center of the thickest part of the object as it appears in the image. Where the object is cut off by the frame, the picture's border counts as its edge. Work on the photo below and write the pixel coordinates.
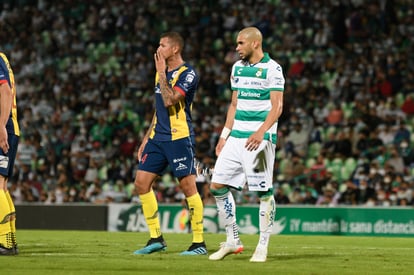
(84, 72)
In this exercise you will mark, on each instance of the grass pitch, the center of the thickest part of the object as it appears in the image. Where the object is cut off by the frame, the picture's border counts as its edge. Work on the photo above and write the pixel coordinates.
(88, 252)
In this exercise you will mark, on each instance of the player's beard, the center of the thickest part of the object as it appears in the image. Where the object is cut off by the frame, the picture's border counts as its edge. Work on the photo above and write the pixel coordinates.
(245, 59)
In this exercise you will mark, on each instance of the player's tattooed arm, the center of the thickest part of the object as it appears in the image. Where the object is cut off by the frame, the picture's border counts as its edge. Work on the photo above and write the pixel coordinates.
(169, 95)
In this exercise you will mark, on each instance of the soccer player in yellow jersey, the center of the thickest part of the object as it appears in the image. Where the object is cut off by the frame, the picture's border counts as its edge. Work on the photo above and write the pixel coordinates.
(169, 142)
(9, 138)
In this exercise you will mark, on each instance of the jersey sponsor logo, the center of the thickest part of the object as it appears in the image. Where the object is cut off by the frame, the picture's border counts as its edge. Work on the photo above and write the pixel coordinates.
(256, 83)
(249, 94)
(180, 159)
(181, 167)
(4, 161)
(262, 184)
(255, 176)
(279, 80)
(190, 77)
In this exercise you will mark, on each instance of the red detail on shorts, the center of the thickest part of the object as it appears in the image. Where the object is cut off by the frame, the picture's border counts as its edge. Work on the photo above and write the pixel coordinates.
(144, 158)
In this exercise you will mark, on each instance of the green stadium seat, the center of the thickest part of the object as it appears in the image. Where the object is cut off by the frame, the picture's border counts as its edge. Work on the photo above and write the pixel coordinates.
(399, 99)
(335, 167)
(348, 168)
(348, 110)
(282, 164)
(130, 189)
(286, 189)
(310, 162)
(314, 149)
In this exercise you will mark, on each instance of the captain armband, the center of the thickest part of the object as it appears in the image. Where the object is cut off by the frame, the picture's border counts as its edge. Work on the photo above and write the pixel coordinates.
(225, 133)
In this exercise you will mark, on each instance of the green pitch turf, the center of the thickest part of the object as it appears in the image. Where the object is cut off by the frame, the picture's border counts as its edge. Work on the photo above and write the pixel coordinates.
(87, 252)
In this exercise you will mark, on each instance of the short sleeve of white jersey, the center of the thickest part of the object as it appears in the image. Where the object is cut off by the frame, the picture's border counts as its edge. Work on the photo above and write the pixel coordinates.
(276, 78)
(232, 83)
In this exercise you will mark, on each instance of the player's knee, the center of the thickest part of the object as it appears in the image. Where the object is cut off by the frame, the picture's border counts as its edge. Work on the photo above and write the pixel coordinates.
(3, 183)
(264, 195)
(218, 189)
(143, 182)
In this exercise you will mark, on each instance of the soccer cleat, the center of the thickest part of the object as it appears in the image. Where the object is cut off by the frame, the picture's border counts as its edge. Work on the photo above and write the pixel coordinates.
(7, 251)
(195, 249)
(16, 249)
(259, 255)
(226, 249)
(153, 245)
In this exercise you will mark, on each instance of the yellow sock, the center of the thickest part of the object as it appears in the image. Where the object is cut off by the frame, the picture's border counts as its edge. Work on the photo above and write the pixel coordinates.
(12, 218)
(5, 213)
(196, 217)
(150, 210)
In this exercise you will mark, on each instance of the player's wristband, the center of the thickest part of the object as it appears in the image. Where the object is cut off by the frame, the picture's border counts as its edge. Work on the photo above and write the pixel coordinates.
(225, 133)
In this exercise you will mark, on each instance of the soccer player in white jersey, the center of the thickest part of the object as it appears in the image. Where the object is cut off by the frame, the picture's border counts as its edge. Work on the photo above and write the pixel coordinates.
(246, 148)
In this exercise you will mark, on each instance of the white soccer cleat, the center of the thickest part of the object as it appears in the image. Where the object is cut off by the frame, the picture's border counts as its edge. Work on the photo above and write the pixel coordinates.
(226, 249)
(259, 255)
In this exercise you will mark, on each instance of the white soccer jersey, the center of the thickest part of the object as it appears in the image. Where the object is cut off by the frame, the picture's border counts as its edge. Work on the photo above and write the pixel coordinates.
(254, 83)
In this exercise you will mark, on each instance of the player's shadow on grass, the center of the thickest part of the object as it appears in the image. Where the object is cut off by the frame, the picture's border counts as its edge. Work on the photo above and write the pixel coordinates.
(297, 256)
(44, 249)
(275, 258)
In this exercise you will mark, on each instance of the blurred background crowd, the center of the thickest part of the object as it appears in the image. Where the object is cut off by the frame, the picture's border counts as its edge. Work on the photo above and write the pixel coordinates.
(84, 73)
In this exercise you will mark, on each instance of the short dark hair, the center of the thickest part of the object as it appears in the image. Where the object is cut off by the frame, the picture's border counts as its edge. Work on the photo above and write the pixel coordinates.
(175, 37)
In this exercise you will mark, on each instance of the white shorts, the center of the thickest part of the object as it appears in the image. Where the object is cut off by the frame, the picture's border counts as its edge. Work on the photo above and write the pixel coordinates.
(236, 165)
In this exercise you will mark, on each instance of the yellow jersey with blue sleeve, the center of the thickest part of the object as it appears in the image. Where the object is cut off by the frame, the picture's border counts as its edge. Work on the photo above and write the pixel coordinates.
(7, 76)
(175, 122)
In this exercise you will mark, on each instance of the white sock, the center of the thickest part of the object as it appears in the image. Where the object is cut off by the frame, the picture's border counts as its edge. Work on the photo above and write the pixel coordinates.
(267, 214)
(227, 216)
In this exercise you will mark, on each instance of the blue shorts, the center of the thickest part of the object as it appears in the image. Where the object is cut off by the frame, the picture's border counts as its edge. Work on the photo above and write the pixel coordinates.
(7, 160)
(177, 154)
